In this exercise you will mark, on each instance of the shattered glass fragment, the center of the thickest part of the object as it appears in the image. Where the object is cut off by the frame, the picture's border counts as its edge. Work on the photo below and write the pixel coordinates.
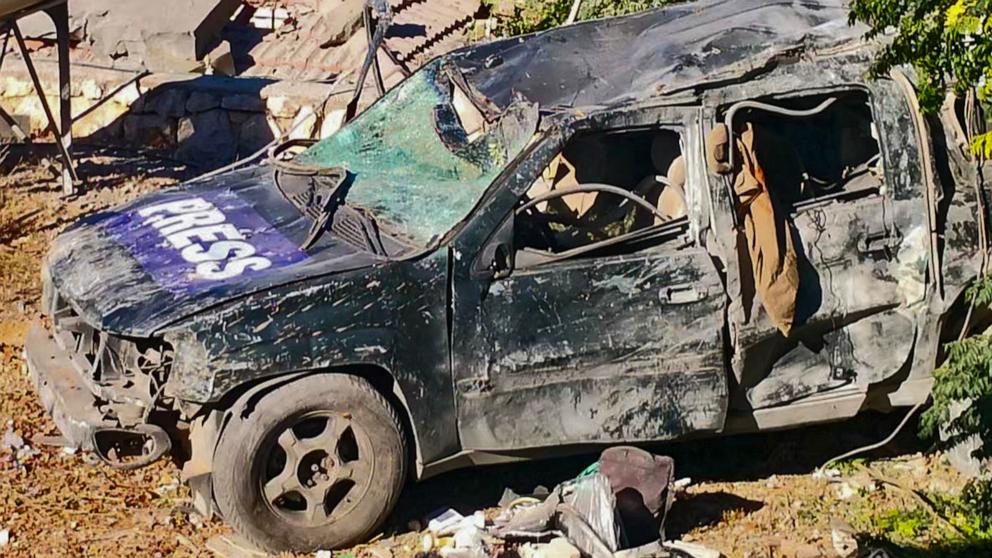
(412, 163)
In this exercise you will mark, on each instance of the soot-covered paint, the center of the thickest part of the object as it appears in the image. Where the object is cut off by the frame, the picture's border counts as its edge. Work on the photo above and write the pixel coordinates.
(649, 338)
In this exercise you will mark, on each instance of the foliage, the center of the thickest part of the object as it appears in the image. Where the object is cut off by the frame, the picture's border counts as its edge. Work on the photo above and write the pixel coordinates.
(972, 511)
(904, 525)
(528, 16)
(966, 376)
(963, 530)
(948, 42)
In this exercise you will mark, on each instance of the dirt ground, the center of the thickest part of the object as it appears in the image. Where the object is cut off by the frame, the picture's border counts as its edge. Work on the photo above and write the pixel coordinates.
(751, 496)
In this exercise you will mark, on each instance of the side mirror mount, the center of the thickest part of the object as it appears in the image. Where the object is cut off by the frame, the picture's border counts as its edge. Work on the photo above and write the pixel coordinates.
(496, 259)
(718, 150)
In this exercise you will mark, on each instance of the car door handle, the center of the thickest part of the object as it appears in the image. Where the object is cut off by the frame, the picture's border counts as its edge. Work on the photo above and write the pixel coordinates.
(880, 242)
(681, 294)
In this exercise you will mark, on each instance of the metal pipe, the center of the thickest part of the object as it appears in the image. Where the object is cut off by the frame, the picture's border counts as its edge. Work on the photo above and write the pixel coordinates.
(732, 112)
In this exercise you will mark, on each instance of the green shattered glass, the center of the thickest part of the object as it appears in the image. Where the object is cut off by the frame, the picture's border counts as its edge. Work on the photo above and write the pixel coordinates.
(411, 162)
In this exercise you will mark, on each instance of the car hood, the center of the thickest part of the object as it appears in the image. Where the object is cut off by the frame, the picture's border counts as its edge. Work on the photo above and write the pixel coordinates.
(141, 267)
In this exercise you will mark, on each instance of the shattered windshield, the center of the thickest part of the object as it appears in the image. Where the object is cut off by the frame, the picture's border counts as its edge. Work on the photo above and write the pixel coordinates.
(411, 161)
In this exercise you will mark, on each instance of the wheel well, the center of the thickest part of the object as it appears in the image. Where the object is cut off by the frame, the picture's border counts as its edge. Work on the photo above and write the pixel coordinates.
(379, 378)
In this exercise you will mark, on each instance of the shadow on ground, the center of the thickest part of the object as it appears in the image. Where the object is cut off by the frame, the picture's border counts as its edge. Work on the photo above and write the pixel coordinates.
(727, 459)
(99, 167)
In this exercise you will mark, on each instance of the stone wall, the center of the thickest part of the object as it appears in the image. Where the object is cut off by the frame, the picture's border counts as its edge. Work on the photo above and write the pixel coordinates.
(207, 121)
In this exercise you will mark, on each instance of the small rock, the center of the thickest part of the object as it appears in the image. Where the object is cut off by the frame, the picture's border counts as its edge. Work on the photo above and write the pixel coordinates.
(206, 140)
(379, 551)
(91, 90)
(333, 121)
(242, 102)
(167, 101)
(12, 441)
(304, 124)
(4, 537)
(282, 107)
(253, 134)
(129, 95)
(694, 550)
(842, 537)
(324, 554)
(16, 87)
(202, 101)
(556, 548)
(342, 19)
(221, 60)
(845, 491)
(826, 474)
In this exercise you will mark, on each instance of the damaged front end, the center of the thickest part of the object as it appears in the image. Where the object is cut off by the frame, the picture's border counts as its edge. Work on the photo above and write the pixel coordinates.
(101, 389)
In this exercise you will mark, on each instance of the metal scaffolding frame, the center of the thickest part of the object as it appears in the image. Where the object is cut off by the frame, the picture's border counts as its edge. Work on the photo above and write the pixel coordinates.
(58, 11)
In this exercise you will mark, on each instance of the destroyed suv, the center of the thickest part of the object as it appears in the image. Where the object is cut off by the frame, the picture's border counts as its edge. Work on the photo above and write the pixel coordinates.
(698, 220)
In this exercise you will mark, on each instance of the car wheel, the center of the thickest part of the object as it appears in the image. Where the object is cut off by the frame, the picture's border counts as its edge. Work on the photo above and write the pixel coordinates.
(317, 464)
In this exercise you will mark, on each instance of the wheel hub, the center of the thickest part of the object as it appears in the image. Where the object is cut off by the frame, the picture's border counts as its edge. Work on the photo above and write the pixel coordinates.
(320, 468)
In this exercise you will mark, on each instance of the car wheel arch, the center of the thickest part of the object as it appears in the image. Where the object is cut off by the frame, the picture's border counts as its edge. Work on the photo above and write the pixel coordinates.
(245, 397)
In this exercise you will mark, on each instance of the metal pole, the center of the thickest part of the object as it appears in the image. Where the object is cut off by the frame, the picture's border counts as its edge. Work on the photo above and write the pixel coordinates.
(574, 13)
(60, 17)
(69, 173)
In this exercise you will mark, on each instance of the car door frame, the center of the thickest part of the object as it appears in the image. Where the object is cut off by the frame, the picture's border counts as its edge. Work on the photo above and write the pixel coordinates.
(900, 202)
(496, 208)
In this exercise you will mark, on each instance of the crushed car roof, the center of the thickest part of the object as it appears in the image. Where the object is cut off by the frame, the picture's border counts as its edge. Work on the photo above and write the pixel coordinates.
(656, 52)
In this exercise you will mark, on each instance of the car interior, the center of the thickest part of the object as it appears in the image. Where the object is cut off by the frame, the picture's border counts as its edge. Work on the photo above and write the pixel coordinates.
(603, 186)
(831, 154)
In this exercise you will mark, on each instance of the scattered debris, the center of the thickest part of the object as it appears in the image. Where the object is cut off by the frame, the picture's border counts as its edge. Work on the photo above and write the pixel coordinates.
(557, 548)
(843, 537)
(693, 550)
(17, 449)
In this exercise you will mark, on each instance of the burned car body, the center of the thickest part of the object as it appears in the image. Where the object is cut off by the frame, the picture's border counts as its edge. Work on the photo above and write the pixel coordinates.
(699, 219)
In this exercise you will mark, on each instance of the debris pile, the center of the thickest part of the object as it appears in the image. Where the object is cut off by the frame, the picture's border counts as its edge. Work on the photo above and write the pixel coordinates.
(615, 508)
(13, 448)
(303, 40)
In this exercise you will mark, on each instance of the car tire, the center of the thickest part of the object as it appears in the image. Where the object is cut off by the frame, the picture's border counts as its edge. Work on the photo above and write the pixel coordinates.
(317, 464)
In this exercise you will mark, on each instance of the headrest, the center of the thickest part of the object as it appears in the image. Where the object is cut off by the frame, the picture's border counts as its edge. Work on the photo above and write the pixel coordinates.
(676, 172)
(718, 149)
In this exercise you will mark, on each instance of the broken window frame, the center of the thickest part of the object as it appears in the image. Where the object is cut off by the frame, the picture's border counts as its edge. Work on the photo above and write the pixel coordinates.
(396, 212)
(727, 111)
(656, 235)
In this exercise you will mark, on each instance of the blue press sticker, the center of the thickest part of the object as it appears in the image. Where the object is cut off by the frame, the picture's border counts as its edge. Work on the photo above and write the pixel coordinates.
(195, 241)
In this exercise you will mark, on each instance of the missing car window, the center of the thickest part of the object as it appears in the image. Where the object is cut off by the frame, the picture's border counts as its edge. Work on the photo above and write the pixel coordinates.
(646, 165)
(832, 154)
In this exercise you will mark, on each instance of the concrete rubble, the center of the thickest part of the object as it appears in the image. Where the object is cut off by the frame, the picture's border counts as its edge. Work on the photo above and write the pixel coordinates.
(203, 81)
(173, 40)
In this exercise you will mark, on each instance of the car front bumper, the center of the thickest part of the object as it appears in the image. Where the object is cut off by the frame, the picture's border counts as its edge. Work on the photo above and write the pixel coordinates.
(62, 389)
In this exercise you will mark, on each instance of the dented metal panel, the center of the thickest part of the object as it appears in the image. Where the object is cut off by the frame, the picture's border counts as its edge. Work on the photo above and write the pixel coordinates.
(654, 338)
(340, 323)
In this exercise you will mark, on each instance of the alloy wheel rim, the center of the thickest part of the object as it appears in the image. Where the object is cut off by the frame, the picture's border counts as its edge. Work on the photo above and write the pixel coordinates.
(317, 469)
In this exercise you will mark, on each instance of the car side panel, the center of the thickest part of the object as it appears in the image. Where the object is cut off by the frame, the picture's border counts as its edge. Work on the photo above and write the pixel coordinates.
(393, 317)
(615, 350)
